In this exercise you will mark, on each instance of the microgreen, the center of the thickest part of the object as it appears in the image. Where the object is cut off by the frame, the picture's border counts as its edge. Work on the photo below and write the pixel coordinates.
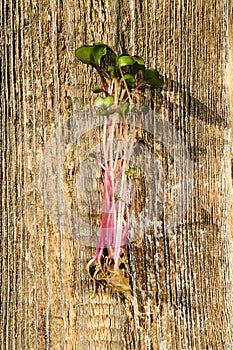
(121, 77)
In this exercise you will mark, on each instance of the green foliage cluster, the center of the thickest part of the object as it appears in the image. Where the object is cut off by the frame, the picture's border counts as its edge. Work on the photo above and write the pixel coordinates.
(121, 75)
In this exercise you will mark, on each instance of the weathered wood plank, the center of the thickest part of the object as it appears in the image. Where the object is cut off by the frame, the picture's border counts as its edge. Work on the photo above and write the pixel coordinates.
(180, 269)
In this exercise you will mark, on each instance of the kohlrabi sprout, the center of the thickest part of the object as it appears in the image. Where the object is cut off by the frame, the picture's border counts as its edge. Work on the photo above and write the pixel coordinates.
(121, 78)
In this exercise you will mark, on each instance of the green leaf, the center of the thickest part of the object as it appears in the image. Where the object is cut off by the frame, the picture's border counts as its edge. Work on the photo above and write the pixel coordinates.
(95, 54)
(129, 78)
(151, 77)
(99, 56)
(104, 102)
(91, 54)
(130, 171)
(96, 90)
(125, 60)
(135, 61)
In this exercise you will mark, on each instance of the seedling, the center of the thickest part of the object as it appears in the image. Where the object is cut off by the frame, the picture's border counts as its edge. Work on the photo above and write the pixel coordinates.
(121, 78)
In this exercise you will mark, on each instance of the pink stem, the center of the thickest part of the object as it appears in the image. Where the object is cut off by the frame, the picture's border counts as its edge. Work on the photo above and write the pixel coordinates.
(115, 218)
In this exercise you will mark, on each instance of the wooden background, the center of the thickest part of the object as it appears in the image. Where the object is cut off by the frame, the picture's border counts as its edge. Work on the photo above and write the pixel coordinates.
(181, 277)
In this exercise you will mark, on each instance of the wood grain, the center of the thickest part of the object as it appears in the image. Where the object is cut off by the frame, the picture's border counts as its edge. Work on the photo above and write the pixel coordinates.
(181, 277)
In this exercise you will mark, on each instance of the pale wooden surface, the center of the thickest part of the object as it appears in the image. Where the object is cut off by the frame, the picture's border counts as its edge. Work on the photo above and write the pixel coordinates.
(181, 279)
